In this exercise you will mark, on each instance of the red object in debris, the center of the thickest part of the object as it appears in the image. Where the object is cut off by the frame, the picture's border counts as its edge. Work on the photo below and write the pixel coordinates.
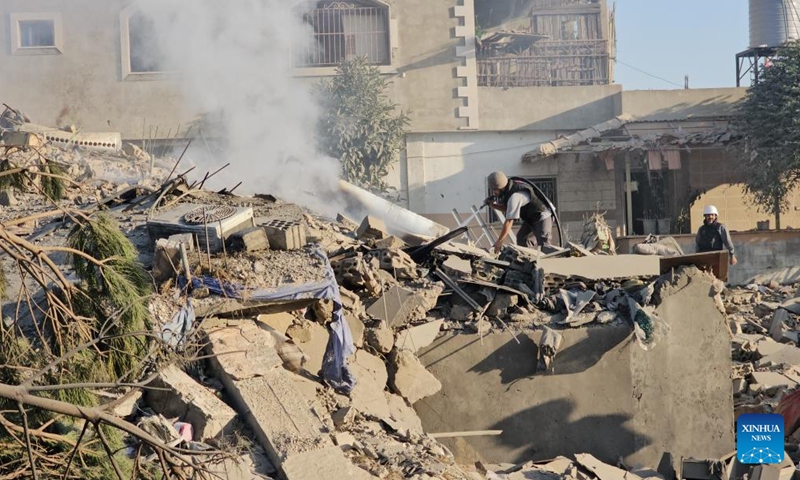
(789, 407)
(185, 430)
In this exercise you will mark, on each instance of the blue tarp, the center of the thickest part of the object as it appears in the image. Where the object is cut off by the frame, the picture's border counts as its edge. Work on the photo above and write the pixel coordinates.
(340, 343)
(174, 333)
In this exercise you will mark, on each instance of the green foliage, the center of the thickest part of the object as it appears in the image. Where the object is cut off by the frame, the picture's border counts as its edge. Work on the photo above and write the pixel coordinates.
(360, 125)
(114, 291)
(51, 186)
(15, 180)
(770, 124)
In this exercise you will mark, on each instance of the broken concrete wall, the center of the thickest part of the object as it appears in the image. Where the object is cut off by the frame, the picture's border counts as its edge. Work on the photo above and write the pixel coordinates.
(762, 256)
(606, 395)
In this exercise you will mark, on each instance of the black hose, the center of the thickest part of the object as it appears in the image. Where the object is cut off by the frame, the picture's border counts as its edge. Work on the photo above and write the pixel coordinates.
(539, 193)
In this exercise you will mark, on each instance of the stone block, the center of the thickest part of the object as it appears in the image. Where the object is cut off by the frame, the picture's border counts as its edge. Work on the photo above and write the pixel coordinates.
(346, 222)
(176, 394)
(398, 305)
(455, 265)
(249, 240)
(285, 234)
(313, 346)
(323, 464)
(356, 330)
(500, 305)
(418, 337)
(343, 416)
(278, 321)
(381, 338)
(398, 263)
(166, 260)
(409, 378)
(241, 350)
(126, 405)
(778, 325)
(367, 396)
(390, 243)
(184, 238)
(372, 228)
(282, 420)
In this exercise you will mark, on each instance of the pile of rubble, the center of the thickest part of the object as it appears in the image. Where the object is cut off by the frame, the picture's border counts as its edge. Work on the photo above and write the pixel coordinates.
(764, 325)
(311, 327)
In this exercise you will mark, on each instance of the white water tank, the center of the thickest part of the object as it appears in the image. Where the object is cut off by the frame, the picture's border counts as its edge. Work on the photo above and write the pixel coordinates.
(774, 22)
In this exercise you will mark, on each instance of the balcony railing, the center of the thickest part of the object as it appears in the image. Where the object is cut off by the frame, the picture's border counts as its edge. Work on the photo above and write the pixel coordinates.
(547, 63)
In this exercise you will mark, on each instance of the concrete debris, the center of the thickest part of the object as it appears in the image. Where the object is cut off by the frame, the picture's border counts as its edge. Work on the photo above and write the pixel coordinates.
(415, 338)
(553, 316)
(381, 338)
(313, 344)
(176, 394)
(284, 234)
(372, 228)
(409, 378)
(368, 395)
(778, 324)
(399, 264)
(398, 305)
(249, 240)
(280, 321)
(390, 243)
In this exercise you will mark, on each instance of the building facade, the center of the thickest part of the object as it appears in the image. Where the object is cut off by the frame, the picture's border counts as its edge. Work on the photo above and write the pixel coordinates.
(93, 65)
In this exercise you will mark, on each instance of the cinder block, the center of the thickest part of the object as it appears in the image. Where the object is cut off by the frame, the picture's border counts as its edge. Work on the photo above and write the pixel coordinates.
(285, 234)
(166, 260)
(249, 240)
(185, 238)
(178, 395)
(372, 227)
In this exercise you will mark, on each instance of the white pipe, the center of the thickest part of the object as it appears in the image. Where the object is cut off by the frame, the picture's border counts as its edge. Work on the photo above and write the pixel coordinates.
(399, 221)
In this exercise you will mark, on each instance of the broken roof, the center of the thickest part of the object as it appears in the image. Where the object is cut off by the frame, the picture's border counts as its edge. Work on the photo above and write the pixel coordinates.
(623, 132)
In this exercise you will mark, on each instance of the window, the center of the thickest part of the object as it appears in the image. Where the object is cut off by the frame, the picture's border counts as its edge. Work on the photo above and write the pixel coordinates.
(343, 30)
(142, 55)
(146, 55)
(36, 33)
(546, 185)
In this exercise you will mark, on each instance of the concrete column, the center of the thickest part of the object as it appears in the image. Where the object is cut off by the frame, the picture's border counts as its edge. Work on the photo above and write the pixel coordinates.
(415, 164)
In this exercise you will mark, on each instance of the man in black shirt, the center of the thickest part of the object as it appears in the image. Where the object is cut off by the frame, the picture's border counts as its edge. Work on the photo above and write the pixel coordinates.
(712, 235)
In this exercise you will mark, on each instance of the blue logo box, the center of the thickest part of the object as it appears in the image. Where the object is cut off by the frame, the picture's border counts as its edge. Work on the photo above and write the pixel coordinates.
(759, 438)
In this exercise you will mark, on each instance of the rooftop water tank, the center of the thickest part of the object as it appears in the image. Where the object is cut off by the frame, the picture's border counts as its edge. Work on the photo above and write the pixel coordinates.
(774, 22)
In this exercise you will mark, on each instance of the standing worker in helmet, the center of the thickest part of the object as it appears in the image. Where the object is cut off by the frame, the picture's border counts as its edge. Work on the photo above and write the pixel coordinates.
(517, 200)
(712, 235)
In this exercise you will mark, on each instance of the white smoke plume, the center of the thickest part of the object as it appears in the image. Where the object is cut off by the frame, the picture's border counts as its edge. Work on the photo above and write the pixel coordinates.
(235, 58)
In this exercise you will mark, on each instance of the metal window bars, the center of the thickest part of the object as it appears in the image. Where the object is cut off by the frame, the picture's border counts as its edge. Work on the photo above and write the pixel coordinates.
(343, 31)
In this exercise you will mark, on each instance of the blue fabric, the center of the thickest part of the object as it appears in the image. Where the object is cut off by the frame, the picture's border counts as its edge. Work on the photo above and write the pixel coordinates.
(340, 343)
(174, 333)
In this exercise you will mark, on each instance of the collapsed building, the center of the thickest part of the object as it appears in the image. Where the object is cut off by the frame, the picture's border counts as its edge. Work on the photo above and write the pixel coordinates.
(393, 349)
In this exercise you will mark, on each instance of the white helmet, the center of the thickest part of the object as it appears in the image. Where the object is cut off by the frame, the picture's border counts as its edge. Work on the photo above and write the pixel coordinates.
(710, 210)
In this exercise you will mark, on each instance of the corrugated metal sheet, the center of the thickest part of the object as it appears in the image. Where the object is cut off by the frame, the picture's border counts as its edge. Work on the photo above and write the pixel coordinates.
(774, 22)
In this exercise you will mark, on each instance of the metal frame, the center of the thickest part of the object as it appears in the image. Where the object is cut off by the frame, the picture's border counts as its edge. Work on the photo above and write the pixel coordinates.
(747, 62)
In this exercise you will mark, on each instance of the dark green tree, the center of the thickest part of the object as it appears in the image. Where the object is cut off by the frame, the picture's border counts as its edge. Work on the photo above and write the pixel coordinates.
(360, 125)
(769, 119)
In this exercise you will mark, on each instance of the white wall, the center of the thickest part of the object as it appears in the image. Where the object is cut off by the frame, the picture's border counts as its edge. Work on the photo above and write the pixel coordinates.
(443, 171)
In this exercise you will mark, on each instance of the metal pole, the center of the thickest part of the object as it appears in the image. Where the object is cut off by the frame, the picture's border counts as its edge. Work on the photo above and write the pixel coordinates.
(489, 234)
(628, 194)
(461, 224)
